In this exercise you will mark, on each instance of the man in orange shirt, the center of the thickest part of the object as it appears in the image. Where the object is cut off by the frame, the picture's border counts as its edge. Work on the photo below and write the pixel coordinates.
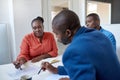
(37, 45)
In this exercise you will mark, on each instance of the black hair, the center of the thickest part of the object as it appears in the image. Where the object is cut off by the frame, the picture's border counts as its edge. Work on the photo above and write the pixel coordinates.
(66, 19)
(94, 15)
(38, 18)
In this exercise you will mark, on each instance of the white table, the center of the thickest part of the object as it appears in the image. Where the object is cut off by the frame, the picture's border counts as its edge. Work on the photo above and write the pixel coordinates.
(8, 68)
(4, 69)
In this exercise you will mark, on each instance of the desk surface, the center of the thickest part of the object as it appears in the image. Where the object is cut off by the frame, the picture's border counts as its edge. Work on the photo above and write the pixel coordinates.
(7, 68)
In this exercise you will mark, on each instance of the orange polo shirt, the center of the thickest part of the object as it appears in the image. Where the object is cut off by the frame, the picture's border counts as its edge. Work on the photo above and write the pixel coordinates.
(31, 46)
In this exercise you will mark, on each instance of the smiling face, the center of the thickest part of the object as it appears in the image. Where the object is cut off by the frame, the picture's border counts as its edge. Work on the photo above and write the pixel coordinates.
(38, 29)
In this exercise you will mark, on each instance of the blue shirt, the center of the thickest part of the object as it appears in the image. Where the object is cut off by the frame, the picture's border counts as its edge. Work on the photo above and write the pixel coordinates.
(90, 56)
(110, 36)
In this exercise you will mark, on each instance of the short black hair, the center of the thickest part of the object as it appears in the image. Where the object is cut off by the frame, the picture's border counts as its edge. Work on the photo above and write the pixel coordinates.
(38, 18)
(94, 15)
(66, 19)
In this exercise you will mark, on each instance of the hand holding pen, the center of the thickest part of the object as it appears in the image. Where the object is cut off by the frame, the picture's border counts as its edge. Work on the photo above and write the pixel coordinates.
(19, 62)
(48, 66)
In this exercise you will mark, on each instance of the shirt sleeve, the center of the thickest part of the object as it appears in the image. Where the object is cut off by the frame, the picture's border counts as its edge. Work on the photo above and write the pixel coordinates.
(79, 68)
(83, 72)
(24, 50)
(61, 70)
(54, 51)
(112, 39)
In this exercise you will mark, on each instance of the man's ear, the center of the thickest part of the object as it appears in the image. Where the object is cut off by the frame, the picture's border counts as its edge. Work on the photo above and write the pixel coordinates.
(68, 33)
(98, 22)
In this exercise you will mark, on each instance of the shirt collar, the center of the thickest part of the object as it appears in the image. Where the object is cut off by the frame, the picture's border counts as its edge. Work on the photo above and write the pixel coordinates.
(80, 31)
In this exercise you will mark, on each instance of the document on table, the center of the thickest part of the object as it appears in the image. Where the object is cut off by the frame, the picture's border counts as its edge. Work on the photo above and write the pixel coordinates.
(30, 70)
(48, 77)
(55, 77)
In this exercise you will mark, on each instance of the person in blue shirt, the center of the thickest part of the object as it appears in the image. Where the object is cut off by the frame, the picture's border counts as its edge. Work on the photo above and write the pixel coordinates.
(93, 21)
(89, 55)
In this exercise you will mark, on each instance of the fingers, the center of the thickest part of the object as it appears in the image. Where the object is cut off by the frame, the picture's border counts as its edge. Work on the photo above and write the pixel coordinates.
(45, 65)
(64, 78)
(17, 64)
(49, 67)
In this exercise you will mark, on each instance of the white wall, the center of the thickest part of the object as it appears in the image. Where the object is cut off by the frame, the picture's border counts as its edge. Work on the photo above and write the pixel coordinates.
(11, 32)
(105, 16)
(4, 49)
(5, 19)
(4, 12)
(79, 7)
(46, 13)
(115, 29)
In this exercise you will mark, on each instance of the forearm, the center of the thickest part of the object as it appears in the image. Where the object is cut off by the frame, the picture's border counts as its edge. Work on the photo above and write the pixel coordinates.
(22, 60)
(44, 56)
(39, 58)
(22, 56)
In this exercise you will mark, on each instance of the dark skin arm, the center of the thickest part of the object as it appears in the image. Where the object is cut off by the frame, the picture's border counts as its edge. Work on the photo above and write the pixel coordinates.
(49, 67)
(19, 62)
(52, 69)
(38, 58)
(64, 78)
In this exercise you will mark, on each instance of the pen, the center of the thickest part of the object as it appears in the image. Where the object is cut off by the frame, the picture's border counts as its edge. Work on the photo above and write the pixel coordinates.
(52, 62)
(20, 68)
(39, 70)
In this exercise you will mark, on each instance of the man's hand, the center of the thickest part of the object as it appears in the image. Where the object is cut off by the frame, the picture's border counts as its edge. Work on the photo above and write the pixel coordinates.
(64, 78)
(19, 62)
(49, 67)
(36, 59)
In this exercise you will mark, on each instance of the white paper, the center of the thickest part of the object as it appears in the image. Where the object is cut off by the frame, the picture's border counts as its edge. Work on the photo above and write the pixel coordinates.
(55, 77)
(28, 71)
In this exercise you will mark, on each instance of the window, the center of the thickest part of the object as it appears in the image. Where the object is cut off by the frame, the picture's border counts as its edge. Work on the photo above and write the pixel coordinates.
(102, 9)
